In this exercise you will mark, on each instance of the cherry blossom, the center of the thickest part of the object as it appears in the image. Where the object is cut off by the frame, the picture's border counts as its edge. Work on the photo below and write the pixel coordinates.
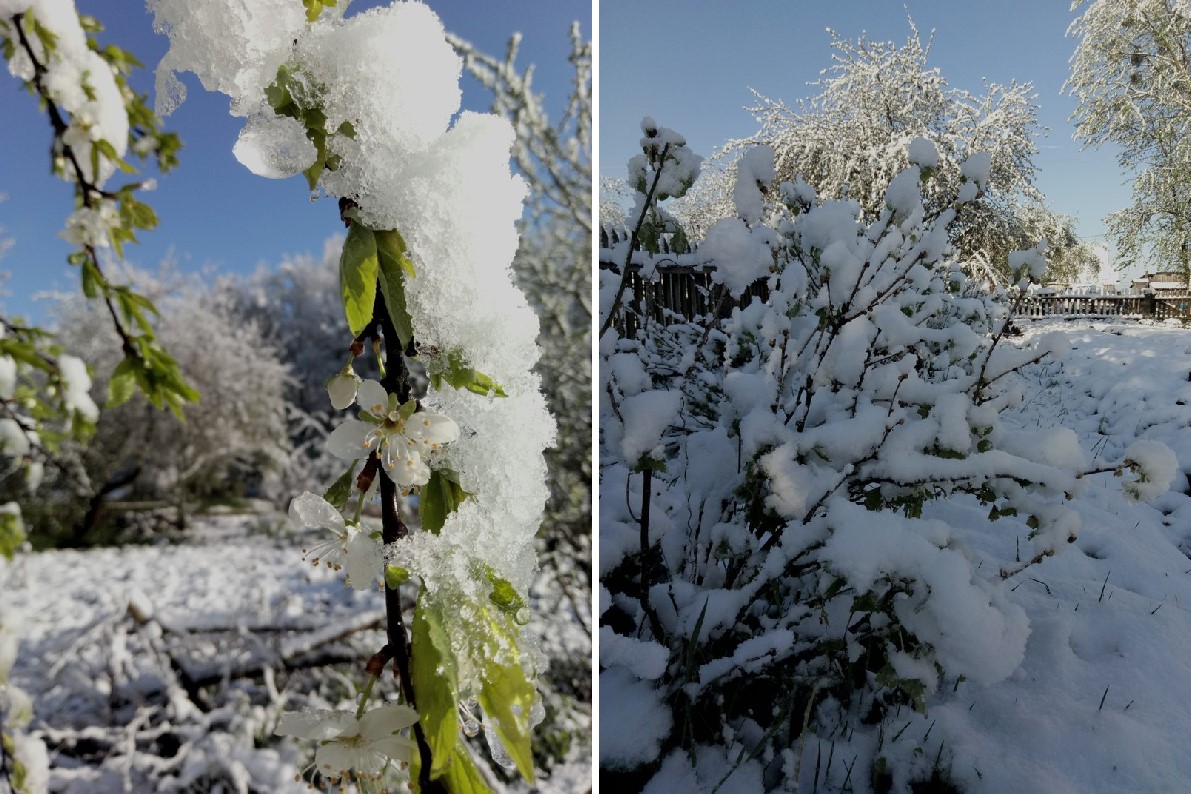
(351, 546)
(351, 745)
(403, 437)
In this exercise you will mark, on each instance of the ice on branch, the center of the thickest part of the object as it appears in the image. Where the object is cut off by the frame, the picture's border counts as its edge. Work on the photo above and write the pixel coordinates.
(351, 746)
(350, 547)
(274, 147)
(233, 48)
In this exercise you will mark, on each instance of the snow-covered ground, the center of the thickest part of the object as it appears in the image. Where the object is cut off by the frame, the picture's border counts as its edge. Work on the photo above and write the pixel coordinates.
(1102, 700)
(165, 668)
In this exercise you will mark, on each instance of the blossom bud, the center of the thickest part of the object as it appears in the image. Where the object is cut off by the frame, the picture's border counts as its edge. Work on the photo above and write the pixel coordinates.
(342, 388)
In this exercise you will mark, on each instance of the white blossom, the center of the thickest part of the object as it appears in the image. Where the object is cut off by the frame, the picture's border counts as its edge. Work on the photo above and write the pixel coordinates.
(404, 440)
(76, 387)
(350, 547)
(363, 746)
(89, 225)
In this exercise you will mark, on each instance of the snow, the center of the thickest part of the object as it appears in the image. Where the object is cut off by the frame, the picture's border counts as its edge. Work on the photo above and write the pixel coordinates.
(1156, 465)
(230, 599)
(233, 48)
(922, 153)
(903, 195)
(386, 82)
(76, 383)
(754, 171)
(78, 80)
(646, 416)
(742, 254)
(633, 722)
(646, 660)
(977, 169)
(8, 377)
(1108, 617)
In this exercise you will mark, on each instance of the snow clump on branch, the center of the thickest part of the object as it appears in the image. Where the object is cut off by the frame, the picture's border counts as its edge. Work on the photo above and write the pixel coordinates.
(376, 93)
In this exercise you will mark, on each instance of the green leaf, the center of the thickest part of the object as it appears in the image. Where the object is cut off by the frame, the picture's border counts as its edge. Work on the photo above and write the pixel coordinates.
(406, 410)
(503, 594)
(122, 383)
(692, 645)
(435, 679)
(109, 152)
(315, 171)
(438, 498)
(395, 576)
(277, 93)
(507, 697)
(12, 533)
(357, 277)
(462, 776)
(394, 267)
(458, 374)
(315, 7)
(341, 489)
(92, 279)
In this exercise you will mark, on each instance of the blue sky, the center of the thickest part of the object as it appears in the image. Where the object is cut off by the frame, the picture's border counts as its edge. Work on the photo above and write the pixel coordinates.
(690, 65)
(212, 210)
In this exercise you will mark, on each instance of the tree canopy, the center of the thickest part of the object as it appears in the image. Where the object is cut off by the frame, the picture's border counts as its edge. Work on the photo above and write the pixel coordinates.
(1130, 73)
(853, 138)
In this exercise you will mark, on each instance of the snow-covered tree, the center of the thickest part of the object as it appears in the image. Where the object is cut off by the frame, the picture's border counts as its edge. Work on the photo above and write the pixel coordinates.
(854, 137)
(235, 437)
(97, 120)
(1130, 73)
(776, 556)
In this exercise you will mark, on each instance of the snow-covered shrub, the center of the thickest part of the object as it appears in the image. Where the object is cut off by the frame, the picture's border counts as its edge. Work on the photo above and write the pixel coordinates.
(769, 558)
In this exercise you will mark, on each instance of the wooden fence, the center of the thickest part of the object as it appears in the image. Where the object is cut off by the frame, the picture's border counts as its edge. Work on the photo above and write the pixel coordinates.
(682, 292)
(1173, 305)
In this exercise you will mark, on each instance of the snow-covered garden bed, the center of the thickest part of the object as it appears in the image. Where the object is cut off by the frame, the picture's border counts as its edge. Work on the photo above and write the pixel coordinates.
(166, 668)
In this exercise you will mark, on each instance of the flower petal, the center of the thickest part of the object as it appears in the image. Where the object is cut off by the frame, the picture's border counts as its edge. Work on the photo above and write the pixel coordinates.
(347, 440)
(319, 724)
(398, 748)
(311, 510)
(373, 398)
(436, 428)
(334, 759)
(408, 469)
(380, 723)
(364, 560)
